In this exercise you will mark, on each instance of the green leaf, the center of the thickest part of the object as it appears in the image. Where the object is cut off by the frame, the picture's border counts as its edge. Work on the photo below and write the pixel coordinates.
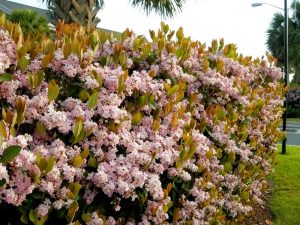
(93, 100)
(40, 128)
(53, 90)
(43, 163)
(33, 216)
(179, 34)
(103, 37)
(121, 81)
(219, 153)
(182, 154)
(136, 44)
(152, 34)
(136, 118)
(43, 220)
(3, 131)
(38, 195)
(145, 52)
(167, 207)
(23, 63)
(10, 153)
(99, 78)
(71, 211)
(38, 78)
(92, 162)
(214, 222)
(77, 161)
(13, 131)
(50, 164)
(75, 188)
(37, 178)
(24, 218)
(85, 153)
(241, 167)
(38, 157)
(227, 167)
(20, 109)
(123, 60)
(6, 77)
(2, 182)
(143, 196)
(83, 95)
(220, 115)
(243, 135)
(46, 60)
(85, 217)
(165, 27)
(180, 52)
(142, 100)
(173, 90)
(80, 137)
(77, 127)
(1, 140)
(153, 104)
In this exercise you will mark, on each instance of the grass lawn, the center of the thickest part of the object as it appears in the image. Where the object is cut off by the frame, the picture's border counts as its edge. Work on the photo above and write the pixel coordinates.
(293, 119)
(285, 199)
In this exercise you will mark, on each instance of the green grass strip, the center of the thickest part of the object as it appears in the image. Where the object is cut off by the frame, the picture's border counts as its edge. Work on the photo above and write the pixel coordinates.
(285, 199)
(293, 119)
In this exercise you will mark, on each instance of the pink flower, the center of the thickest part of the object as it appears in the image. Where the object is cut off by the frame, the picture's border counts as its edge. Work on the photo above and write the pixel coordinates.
(43, 208)
(3, 174)
(95, 219)
(4, 62)
(7, 46)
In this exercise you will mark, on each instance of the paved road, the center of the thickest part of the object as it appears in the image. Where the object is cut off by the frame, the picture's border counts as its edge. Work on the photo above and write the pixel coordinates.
(293, 135)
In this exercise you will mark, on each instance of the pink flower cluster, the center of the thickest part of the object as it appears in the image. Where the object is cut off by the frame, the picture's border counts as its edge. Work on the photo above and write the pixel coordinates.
(182, 142)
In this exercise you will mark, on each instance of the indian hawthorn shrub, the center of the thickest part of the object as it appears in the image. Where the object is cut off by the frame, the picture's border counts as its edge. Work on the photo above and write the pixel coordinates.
(99, 130)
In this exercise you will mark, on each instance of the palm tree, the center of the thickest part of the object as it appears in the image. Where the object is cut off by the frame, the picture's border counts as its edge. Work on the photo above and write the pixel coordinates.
(84, 12)
(275, 39)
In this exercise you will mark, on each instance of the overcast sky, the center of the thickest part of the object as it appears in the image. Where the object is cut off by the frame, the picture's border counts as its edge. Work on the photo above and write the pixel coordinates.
(234, 20)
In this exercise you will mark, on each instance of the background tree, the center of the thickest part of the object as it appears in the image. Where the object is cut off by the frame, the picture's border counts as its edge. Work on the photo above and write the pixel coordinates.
(30, 22)
(275, 39)
(84, 12)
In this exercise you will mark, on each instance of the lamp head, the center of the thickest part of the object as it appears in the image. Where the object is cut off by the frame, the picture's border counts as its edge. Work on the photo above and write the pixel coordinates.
(256, 4)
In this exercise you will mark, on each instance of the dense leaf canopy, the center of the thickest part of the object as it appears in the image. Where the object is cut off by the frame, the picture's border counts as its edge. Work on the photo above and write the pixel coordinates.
(30, 21)
(275, 40)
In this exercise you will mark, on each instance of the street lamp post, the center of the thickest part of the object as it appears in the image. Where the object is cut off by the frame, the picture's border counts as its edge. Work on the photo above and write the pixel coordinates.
(286, 74)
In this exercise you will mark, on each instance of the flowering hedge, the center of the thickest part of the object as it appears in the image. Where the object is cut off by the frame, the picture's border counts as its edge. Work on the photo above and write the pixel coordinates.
(103, 130)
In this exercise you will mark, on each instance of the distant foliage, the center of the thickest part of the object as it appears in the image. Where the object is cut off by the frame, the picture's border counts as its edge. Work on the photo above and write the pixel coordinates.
(99, 130)
(293, 97)
(84, 12)
(30, 22)
(275, 39)
(293, 101)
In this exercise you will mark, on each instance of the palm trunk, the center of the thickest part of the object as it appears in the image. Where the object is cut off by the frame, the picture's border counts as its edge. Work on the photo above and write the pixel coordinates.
(82, 12)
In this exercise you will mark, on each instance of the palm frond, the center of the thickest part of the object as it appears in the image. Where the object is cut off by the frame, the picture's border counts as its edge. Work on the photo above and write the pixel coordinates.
(99, 3)
(275, 39)
(165, 8)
